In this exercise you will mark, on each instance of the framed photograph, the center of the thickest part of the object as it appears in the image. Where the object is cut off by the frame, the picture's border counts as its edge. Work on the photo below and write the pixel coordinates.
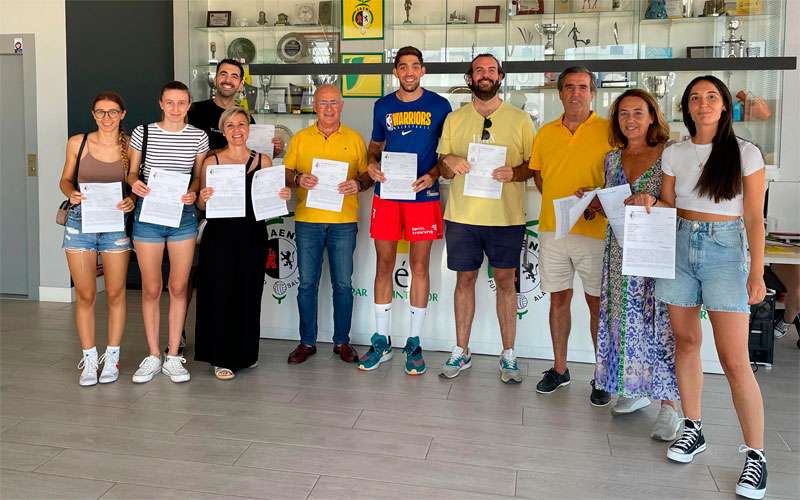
(526, 7)
(362, 19)
(218, 19)
(362, 85)
(487, 14)
(701, 51)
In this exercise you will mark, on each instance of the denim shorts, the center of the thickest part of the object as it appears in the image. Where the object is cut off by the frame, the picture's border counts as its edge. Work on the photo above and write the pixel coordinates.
(711, 267)
(156, 233)
(466, 244)
(75, 240)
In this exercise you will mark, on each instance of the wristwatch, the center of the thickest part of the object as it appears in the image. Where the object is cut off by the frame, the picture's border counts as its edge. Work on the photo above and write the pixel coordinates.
(297, 178)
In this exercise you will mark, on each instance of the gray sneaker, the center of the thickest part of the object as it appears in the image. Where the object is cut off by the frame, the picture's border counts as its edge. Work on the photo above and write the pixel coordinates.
(624, 405)
(458, 361)
(509, 371)
(667, 425)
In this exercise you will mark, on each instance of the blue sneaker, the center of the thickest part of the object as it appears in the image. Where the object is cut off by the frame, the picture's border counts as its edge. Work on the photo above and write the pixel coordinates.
(415, 364)
(458, 361)
(379, 352)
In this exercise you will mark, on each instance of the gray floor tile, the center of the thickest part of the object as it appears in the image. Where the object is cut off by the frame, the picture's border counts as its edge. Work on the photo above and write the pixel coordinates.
(205, 478)
(374, 467)
(25, 457)
(335, 488)
(137, 492)
(31, 485)
(8, 422)
(779, 485)
(117, 395)
(792, 439)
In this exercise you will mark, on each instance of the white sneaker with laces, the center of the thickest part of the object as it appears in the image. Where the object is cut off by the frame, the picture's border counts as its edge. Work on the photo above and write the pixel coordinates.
(624, 405)
(110, 372)
(667, 425)
(148, 369)
(89, 366)
(173, 368)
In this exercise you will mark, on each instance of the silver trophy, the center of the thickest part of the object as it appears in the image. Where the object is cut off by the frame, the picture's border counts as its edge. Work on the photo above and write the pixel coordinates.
(211, 75)
(549, 32)
(733, 46)
(658, 86)
(265, 81)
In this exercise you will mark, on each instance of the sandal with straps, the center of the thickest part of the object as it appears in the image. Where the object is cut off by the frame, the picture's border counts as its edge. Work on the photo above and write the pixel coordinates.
(223, 373)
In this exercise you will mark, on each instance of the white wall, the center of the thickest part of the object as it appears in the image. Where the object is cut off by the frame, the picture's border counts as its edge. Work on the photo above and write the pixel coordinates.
(45, 19)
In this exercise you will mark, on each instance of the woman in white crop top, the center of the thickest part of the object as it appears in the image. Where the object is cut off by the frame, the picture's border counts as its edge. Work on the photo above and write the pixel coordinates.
(716, 181)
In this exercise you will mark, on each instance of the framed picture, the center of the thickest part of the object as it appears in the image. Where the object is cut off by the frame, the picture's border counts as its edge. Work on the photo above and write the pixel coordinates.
(218, 19)
(525, 7)
(701, 51)
(757, 49)
(585, 6)
(487, 14)
(362, 19)
(362, 85)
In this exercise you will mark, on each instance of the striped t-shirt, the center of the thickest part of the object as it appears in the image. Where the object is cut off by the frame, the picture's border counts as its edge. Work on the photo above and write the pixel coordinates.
(172, 151)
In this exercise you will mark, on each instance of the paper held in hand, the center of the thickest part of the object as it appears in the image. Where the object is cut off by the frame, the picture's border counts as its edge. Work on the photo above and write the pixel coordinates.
(483, 159)
(163, 204)
(329, 174)
(264, 193)
(260, 138)
(99, 212)
(649, 247)
(570, 208)
(400, 170)
(229, 185)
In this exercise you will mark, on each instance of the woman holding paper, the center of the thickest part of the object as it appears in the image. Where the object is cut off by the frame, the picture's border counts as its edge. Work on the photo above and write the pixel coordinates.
(716, 182)
(635, 344)
(98, 157)
(165, 165)
(232, 255)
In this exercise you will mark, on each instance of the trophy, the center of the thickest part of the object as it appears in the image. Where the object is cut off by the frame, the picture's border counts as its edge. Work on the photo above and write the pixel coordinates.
(264, 82)
(549, 32)
(407, 7)
(262, 18)
(658, 85)
(574, 32)
(657, 9)
(213, 47)
(733, 46)
(211, 75)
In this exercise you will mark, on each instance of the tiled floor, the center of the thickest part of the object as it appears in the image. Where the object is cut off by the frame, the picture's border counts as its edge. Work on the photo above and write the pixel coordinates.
(323, 430)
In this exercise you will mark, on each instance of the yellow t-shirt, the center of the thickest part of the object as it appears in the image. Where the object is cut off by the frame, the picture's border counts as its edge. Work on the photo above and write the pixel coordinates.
(570, 161)
(343, 145)
(512, 128)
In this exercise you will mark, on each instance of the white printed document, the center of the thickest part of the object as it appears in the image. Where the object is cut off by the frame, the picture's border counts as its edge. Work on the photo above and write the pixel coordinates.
(649, 244)
(400, 170)
(163, 204)
(229, 185)
(568, 210)
(483, 159)
(264, 193)
(99, 212)
(260, 138)
(329, 174)
(613, 201)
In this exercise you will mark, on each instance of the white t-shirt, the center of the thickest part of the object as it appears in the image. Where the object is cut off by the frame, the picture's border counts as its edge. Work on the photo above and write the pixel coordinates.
(684, 161)
(173, 151)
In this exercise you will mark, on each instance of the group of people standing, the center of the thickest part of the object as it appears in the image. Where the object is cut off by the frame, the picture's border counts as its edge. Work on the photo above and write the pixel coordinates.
(646, 331)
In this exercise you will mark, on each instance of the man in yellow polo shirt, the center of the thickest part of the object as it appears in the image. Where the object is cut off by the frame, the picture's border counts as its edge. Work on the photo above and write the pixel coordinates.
(568, 154)
(317, 230)
(478, 225)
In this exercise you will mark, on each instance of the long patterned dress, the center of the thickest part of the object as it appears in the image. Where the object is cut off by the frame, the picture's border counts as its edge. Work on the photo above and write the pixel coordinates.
(635, 344)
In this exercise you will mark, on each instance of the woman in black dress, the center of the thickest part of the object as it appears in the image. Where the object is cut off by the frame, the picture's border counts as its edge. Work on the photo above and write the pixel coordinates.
(231, 268)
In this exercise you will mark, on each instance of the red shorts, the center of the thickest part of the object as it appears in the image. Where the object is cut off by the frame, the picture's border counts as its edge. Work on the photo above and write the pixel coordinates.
(410, 220)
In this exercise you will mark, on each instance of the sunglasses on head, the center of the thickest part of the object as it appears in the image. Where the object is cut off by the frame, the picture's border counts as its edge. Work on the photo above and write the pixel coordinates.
(487, 124)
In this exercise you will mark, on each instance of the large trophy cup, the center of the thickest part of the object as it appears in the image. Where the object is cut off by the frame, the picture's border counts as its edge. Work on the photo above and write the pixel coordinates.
(549, 32)
(265, 81)
(658, 86)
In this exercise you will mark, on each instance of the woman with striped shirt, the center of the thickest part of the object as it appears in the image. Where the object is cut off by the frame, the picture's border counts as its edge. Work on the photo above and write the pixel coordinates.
(170, 145)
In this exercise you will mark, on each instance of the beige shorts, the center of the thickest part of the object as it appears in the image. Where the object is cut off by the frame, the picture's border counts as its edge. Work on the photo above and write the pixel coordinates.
(559, 259)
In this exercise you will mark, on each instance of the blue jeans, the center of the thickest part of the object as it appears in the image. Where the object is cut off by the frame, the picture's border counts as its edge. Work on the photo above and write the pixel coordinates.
(312, 240)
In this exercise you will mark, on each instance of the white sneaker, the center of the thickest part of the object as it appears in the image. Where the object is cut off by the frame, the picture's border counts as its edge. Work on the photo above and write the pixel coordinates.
(110, 371)
(173, 368)
(624, 405)
(148, 368)
(667, 425)
(89, 366)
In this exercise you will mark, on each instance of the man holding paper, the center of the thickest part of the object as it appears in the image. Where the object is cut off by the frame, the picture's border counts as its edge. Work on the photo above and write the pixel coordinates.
(327, 163)
(492, 140)
(403, 163)
(568, 154)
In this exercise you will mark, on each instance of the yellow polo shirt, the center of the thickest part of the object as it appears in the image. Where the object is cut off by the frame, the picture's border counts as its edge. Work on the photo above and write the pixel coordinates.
(512, 128)
(570, 161)
(343, 145)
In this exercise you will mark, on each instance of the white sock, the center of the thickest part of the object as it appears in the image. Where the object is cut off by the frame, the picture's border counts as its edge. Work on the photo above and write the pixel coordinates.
(383, 319)
(417, 319)
(90, 353)
(508, 353)
(112, 350)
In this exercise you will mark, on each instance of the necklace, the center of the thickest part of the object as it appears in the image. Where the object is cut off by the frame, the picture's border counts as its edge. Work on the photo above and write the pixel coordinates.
(700, 163)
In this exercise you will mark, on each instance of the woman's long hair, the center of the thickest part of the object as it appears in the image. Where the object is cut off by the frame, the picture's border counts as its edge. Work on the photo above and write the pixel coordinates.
(122, 138)
(721, 178)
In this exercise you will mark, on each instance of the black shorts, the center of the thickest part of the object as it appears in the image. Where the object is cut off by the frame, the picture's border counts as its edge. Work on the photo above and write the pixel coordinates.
(466, 245)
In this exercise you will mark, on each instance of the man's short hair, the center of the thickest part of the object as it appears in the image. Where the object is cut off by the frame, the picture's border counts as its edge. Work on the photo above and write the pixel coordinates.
(232, 62)
(408, 50)
(579, 70)
(486, 54)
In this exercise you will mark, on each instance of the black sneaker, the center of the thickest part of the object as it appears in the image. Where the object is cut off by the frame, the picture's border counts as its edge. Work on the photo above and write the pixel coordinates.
(689, 444)
(599, 397)
(753, 481)
(552, 380)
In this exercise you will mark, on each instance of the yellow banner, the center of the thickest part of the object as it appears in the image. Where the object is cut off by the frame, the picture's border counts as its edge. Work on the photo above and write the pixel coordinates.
(362, 19)
(362, 85)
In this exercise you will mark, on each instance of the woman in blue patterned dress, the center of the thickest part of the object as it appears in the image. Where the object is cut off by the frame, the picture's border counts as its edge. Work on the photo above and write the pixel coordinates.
(635, 345)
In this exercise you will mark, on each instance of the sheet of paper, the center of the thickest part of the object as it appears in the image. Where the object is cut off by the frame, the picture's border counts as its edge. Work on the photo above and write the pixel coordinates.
(260, 138)
(613, 201)
(264, 193)
(99, 212)
(568, 210)
(229, 185)
(163, 204)
(483, 159)
(400, 170)
(325, 194)
(649, 246)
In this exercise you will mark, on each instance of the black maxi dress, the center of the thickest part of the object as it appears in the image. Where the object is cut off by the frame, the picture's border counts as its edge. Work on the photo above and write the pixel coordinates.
(230, 281)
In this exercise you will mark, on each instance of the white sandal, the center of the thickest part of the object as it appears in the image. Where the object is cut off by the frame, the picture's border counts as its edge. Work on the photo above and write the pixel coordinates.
(223, 373)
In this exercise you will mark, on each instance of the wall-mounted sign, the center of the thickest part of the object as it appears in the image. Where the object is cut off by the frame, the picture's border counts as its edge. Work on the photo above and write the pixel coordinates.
(362, 19)
(362, 85)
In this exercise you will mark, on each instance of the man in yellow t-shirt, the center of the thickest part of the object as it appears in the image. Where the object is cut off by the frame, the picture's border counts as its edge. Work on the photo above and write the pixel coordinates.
(479, 225)
(317, 230)
(568, 154)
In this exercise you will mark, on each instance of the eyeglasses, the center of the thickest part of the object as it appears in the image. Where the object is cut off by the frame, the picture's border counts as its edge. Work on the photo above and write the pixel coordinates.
(102, 113)
(487, 124)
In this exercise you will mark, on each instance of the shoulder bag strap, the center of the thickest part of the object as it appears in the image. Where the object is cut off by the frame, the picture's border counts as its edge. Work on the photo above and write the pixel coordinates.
(144, 151)
(78, 161)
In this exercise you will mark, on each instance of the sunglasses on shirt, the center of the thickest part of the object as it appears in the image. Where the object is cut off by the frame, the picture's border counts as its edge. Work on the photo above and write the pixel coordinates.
(487, 124)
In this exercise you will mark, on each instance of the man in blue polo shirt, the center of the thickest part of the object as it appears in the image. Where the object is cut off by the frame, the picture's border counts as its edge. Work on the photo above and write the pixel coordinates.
(409, 120)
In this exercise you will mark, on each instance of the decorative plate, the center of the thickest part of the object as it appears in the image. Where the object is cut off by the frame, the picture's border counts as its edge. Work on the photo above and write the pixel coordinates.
(242, 48)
